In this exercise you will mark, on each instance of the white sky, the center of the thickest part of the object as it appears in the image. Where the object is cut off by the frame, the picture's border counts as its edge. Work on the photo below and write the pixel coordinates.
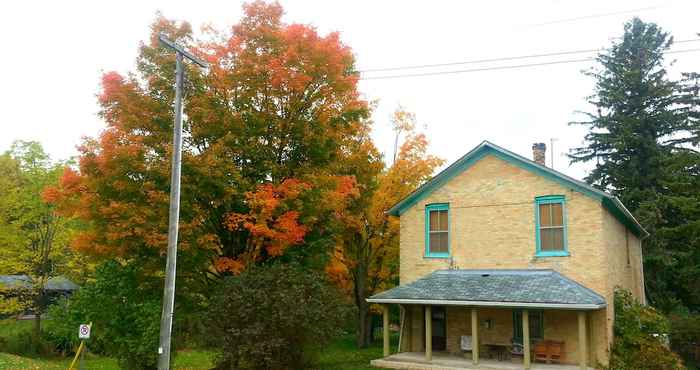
(53, 54)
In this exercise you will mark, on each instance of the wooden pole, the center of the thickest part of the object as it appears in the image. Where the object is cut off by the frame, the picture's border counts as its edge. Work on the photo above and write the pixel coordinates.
(385, 330)
(582, 340)
(526, 339)
(428, 334)
(77, 355)
(475, 337)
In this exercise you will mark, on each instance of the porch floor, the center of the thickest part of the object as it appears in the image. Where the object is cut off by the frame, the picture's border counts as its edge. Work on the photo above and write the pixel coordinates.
(444, 361)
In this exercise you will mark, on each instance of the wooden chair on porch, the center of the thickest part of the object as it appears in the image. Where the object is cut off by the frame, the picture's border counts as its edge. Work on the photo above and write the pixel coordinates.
(549, 351)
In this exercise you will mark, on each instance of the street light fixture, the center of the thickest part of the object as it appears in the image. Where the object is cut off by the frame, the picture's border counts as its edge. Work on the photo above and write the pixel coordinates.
(166, 321)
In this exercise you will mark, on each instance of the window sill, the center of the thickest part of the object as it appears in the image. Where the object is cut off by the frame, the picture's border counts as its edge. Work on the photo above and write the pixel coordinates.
(552, 254)
(437, 255)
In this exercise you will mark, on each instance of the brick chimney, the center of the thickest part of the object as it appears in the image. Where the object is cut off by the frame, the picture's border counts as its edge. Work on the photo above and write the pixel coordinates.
(538, 153)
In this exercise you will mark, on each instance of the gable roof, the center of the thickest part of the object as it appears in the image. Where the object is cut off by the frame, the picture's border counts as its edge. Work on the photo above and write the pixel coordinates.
(609, 202)
(503, 288)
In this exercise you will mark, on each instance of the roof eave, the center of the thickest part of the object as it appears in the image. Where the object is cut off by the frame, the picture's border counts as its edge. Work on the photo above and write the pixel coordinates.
(436, 302)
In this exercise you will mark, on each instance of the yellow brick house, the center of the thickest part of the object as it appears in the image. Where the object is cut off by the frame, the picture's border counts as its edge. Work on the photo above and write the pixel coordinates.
(504, 262)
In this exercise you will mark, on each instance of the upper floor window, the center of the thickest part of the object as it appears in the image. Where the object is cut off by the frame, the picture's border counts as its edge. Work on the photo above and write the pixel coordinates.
(437, 230)
(551, 226)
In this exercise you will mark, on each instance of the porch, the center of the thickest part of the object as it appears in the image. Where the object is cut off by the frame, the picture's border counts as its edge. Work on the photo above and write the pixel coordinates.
(445, 361)
(463, 319)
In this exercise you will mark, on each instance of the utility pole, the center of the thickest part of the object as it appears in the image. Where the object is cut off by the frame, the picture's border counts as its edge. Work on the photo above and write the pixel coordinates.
(551, 149)
(166, 321)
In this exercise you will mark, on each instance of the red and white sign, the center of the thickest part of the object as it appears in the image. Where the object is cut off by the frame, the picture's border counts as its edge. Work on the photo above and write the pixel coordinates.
(84, 331)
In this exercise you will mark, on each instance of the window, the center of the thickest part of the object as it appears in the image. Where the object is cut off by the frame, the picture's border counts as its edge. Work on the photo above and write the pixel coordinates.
(551, 226)
(536, 318)
(437, 230)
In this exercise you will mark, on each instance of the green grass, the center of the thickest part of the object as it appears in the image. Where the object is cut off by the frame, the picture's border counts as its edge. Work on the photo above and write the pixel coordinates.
(343, 354)
(184, 360)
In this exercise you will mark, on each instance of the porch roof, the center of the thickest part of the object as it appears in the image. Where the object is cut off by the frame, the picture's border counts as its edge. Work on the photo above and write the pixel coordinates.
(528, 288)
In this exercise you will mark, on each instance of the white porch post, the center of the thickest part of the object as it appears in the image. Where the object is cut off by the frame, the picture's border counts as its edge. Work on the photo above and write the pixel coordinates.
(475, 337)
(526, 339)
(582, 340)
(428, 334)
(385, 332)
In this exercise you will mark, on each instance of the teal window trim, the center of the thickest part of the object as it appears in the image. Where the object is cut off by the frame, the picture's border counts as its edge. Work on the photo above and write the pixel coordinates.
(436, 207)
(536, 333)
(550, 199)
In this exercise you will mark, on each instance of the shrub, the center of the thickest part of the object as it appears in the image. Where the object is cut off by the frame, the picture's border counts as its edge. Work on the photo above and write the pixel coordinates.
(685, 333)
(25, 343)
(639, 330)
(274, 318)
(124, 306)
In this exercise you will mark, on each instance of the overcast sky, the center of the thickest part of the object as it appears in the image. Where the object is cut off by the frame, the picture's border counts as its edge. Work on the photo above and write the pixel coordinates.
(53, 54)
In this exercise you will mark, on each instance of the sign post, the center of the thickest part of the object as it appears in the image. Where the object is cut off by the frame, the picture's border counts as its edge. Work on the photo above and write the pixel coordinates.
(83, 334)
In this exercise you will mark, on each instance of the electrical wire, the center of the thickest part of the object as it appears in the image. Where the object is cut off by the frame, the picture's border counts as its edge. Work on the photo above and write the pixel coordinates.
(501, 67)
(387, 69)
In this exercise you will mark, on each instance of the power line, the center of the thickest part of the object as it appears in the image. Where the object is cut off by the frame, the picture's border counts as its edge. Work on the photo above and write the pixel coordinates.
(592, 16)
(502, 67)
(496, 59)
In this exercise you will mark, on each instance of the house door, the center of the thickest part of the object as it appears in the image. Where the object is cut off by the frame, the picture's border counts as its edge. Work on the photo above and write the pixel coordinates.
(439, 324)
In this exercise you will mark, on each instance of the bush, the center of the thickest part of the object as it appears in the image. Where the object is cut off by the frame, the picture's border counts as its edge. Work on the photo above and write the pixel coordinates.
(124, 306)
(25, 344)
(274, 318)
(685, 333)
(638, 343)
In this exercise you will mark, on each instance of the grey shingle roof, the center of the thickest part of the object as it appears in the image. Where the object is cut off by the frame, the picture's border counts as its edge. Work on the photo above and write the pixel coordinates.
(24, 281)
(512, 288)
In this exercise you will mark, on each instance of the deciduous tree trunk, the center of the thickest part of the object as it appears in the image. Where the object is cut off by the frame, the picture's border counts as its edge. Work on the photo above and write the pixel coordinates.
(37, 326)
(364, 324)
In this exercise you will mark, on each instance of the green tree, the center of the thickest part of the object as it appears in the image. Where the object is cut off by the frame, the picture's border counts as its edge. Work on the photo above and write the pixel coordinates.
(33, 236)
(123, 304)
(643, 139)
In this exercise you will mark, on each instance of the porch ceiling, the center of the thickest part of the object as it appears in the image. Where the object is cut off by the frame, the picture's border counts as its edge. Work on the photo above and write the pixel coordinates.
(503, 288)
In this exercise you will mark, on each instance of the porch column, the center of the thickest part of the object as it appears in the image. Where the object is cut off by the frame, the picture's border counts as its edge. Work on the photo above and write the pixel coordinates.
(385, 332)
(475, 337)
(428, 334)
(526, 339)
(582, 340)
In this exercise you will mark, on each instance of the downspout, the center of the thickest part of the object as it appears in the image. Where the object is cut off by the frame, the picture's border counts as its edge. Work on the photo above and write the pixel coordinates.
(402, 309)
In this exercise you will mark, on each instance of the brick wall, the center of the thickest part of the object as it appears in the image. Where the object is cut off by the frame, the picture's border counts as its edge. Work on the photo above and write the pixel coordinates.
(492, 226)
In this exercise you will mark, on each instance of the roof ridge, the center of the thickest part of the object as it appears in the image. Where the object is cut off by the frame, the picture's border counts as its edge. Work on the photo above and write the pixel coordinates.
(609, 201)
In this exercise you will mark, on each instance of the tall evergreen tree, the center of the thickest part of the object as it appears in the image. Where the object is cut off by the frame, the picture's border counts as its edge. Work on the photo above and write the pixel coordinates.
(643, 138)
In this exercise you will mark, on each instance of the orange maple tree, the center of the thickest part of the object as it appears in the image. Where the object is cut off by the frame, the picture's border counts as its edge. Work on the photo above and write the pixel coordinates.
(265, 131)
(365, 258)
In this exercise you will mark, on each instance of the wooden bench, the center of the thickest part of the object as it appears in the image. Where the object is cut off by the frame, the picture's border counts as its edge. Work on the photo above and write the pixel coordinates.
(549, 351)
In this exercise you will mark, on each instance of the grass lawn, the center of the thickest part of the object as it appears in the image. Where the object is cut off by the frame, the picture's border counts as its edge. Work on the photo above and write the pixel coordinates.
(341, 354)
(184, 360)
